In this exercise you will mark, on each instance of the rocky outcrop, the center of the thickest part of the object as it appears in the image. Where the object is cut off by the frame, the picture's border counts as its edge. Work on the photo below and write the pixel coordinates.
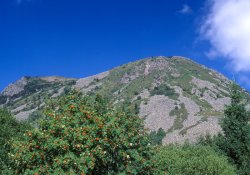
(85, 82)
(156, 112)
(15, 88)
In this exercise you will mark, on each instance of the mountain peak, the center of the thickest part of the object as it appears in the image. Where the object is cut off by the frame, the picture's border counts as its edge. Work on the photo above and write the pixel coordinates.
(16, 87)
(174, 93)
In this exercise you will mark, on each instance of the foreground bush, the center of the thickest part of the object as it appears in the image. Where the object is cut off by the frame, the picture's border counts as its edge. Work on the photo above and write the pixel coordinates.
(81, 135)
(10, 129)
(191, 160)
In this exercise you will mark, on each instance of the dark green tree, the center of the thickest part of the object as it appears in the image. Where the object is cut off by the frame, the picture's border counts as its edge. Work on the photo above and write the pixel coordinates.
(156, 137)
(235, 141)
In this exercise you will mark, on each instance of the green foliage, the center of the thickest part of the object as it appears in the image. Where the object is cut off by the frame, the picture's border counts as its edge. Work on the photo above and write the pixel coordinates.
(3, 99)
(236, 139)
(66, 89)
(156, 137)
(212, 141)
(190, 160)
(35, 117)
(10, 129)
(37, 91)
(33, 85)
(136, 108)
(164, 89)
(181, 115)
(81, 135)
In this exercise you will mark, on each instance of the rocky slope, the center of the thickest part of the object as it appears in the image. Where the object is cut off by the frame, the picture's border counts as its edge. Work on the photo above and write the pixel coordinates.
(174, 93)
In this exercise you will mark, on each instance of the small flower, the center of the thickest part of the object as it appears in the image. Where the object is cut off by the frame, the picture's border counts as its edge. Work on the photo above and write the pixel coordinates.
(131, 144)
(128, 156)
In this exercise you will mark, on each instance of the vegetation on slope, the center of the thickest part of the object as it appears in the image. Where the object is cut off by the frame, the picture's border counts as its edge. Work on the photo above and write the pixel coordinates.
(164, 89)
(156, 137)
(10, 129)
(235, 141)
(190, 160)
(81, 135)
(134, 85)
(236, 128)
(115, 147)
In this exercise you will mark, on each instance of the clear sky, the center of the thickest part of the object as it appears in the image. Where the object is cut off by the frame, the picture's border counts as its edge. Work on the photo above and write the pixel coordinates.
(78, 38)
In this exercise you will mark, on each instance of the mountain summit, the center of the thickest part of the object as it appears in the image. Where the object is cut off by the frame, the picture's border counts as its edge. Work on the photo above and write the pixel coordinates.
(183, 98)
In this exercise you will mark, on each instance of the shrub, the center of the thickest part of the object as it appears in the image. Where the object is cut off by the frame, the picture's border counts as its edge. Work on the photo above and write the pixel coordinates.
(163, 89)
(81, 135)
(156, 137)
(190, 160)
(10, 129)
(35, 117)
(139, 98)
(3, 99)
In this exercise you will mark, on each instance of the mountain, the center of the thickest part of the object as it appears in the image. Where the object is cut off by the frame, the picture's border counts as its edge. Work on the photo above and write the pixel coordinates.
(182, 97)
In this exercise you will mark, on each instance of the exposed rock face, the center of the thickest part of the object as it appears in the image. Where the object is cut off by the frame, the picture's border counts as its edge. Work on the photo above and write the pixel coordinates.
(194, 132)
(84, 82)
(24, 114)
(158, 64)
(19, 108)
(15, 88)
(248, 107)
(217, 103)
(204, 84)
(173, 93)
(157, 113)
(60, 91)
(55, 78)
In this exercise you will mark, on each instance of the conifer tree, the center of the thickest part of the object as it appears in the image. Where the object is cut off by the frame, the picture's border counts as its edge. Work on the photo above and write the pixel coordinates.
(236, 139)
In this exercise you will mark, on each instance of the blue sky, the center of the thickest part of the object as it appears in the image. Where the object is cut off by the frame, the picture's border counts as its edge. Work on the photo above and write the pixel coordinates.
(78, 38)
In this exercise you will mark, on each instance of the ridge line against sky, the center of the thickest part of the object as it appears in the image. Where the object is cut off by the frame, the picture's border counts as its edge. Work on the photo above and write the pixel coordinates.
(79, 38)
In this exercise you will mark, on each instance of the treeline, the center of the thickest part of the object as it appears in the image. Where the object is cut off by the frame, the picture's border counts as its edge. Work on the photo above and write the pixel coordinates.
(235, 140)
(85, 135)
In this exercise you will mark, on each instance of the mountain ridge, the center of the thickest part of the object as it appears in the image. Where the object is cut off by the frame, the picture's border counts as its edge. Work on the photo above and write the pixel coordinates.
(184, 98)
